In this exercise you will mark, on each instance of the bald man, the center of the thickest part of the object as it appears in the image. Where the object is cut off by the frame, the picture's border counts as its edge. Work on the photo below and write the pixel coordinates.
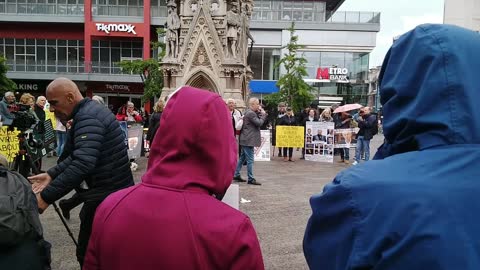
(95, 153)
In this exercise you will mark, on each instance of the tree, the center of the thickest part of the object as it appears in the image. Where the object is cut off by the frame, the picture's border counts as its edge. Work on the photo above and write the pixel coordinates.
(5, 83)
(149, 70)
(293, 89)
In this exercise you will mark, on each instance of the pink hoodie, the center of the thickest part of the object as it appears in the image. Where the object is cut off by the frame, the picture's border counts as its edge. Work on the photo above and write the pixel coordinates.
(171, 220)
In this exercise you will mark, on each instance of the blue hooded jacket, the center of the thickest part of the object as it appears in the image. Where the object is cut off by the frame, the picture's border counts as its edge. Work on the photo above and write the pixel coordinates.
(417, 205)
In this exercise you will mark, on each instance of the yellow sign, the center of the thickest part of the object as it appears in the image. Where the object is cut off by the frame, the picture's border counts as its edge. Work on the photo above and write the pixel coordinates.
(8, 143)
(290, 136)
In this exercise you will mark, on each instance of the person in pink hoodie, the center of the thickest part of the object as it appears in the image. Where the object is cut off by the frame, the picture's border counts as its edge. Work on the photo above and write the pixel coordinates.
(174, 219)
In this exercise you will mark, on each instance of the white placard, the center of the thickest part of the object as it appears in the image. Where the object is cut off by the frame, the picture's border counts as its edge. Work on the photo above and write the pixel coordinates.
(262, 153)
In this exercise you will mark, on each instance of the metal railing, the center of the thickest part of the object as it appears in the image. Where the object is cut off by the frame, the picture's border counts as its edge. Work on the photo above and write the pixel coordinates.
(345, 17)
(65, 67)
(106, 10)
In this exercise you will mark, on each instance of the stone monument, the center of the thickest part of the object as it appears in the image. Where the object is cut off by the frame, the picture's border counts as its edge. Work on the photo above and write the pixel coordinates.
(207, 46)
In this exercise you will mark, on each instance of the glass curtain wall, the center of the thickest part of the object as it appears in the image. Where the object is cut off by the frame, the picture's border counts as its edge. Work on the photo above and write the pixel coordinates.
(118, 8)
(43, 55)
(107, 54)
(357, 64)
(300, 10)
(158, 8)
(58, 7)
(262, 63)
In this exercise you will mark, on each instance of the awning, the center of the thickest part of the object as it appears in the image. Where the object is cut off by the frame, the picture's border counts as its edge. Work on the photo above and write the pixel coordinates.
(263, 87)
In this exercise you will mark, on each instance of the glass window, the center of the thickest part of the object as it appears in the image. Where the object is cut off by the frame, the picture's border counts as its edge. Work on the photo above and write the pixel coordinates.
(137, 53)
(256, 63)
(41, 54)
(19, 49)
(51, 55)
(31, 50)
(331, 59)
(62, 42)
(62, 55)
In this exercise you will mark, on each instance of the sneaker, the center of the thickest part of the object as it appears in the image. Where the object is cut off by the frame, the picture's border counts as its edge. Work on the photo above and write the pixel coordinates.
(347, 161)
(239, 179)
(291, 160)
(341, 161)
(355, 163)
(254, 182)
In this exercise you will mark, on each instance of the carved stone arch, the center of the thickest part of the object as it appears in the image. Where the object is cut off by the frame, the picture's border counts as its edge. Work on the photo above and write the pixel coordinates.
(201, 78)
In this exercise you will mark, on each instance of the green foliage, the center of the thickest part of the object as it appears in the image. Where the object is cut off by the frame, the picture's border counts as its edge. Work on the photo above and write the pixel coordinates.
(5, 83)
(293, 89)
(149, 70)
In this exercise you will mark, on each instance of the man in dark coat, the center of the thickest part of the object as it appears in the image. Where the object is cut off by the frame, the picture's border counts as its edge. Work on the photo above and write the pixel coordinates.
(95, 154)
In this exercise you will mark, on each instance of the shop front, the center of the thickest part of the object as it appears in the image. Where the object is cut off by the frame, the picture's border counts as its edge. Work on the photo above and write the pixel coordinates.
(116, 95)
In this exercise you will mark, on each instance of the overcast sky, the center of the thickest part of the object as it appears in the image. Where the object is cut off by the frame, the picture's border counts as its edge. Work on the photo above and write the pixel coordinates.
(397, 17)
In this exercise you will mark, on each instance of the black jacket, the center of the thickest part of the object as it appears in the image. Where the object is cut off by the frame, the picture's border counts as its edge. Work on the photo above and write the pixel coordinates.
(287, 121)
(154, 124)
(95, 152)
(40, 113)
(367, 126)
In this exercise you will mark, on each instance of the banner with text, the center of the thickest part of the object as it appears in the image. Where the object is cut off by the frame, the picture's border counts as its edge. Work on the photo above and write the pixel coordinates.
(262, 153)
(346, 138)
(289, 136)
(319, 141)
(9, 145)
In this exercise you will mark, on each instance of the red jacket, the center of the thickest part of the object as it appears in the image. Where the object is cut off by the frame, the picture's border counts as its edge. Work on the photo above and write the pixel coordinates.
(122, 114)
(171, 220)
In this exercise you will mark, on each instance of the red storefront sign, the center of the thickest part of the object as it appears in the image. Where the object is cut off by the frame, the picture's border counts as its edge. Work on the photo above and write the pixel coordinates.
(125, 88)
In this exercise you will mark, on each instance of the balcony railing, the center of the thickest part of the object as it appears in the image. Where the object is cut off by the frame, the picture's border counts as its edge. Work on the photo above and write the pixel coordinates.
(345, 17)
(35, 8)
(66, 67)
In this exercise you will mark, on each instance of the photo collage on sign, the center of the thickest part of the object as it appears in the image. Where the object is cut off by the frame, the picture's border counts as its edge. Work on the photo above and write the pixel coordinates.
(319, 141)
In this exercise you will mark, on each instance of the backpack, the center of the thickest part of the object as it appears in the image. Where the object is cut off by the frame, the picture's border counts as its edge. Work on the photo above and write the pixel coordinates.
(18, 209)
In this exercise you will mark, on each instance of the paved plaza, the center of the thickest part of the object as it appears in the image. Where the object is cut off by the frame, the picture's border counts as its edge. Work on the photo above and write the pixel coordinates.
(279, 209)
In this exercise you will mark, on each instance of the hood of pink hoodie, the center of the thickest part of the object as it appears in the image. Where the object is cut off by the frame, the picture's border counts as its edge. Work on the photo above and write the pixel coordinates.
(194, 148)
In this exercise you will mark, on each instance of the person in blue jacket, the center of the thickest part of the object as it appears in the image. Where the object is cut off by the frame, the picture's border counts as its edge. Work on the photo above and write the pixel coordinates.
(416, 205)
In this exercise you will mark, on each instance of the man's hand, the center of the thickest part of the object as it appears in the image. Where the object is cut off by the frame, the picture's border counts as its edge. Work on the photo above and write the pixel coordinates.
(42, 205)
(39, 182)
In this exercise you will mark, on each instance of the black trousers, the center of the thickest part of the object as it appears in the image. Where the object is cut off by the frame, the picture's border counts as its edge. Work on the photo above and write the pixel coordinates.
(290, 152)
(86, 221)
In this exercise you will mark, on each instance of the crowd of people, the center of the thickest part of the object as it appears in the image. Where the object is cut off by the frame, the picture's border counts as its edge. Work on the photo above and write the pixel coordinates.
(412, 207)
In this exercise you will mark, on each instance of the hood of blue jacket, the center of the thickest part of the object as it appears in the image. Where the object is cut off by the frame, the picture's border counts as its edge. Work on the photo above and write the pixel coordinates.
(430, 89)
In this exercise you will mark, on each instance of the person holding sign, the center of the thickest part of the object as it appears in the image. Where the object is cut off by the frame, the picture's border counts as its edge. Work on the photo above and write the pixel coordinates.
(288, 120)
(250, 138)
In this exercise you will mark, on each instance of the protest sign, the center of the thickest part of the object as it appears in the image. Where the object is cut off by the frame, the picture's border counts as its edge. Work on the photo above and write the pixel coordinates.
(9, 145)
(135, 140)
(290, 136)
(262, 153)
(319, 141)
(346, 138)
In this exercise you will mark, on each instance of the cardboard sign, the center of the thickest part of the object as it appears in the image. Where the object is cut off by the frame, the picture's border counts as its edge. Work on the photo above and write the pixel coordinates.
(9, 143)
(290, 136)
(262, 153)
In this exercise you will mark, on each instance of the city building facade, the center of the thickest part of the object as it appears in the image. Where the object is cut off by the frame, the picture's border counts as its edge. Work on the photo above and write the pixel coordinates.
(86, 39)
(465, 13)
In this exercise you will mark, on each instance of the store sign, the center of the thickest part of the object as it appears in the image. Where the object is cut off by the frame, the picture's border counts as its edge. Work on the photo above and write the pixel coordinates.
(117, 87)
(27, 86)
(332, 74)
(116, 27)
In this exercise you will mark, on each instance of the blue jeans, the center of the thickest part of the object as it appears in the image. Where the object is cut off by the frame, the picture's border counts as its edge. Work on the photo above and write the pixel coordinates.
(247, 154)
(363, 146)
(61, 138)
(346, 153)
